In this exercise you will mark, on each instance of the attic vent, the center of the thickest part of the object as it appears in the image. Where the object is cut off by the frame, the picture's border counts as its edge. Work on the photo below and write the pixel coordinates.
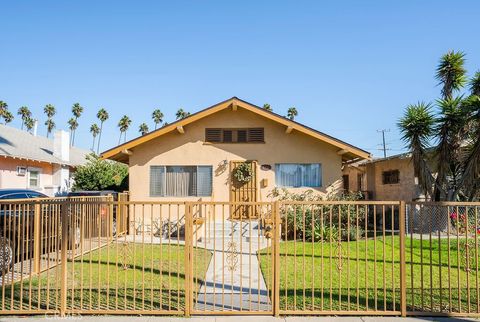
(228, 135)
(256, 135)
(213, 135)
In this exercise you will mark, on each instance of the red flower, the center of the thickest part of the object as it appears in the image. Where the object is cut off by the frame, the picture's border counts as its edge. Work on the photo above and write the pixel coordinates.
(453, 215)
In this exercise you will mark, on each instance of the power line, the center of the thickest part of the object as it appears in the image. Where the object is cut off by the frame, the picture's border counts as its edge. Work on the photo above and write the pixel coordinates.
(383, 139)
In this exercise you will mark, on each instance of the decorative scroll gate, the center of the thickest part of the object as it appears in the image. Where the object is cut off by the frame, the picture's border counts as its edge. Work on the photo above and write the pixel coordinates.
(236, 282)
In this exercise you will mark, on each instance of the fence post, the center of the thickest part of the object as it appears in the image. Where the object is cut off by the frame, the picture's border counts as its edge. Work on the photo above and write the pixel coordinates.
(403, 281)
(63, 258)
(276, 256)
(37, 238)
(188, 258)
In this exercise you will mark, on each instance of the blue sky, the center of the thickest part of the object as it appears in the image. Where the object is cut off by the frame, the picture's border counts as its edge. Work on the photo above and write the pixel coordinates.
(349, 67)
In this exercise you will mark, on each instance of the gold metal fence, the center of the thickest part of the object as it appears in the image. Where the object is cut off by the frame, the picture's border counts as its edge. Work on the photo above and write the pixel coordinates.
(289, 258)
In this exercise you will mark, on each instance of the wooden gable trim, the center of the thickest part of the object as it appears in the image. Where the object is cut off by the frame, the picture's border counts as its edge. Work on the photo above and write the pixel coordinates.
(236, 103)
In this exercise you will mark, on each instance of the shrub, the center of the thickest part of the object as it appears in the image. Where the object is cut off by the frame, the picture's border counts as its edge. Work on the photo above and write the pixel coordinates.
(98, 174)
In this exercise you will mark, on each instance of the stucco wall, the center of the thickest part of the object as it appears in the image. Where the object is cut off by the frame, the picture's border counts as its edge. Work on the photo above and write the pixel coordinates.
(10, 179)
(190, 149)
(406, 189)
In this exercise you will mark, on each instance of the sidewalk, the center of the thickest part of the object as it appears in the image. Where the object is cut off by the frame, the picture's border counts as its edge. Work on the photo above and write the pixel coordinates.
(230, 319)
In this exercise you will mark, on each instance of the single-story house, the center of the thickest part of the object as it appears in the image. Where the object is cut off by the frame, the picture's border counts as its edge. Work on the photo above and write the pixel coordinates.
(28, 161)
(390, 178)
(232, 151)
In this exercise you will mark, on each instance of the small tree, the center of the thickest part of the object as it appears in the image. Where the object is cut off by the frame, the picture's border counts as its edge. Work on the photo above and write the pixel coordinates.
(102, 115)
(94, 130)
(77, 111)
(50, 111)
(123, 125)
(72, 125)
(267, 107)
(25, 114)
(98, 174)
(181, 114)
(29, 124)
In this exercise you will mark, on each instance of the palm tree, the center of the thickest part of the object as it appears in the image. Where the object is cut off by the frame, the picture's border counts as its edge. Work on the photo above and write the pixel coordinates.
(267, 107)
(72, 125)
(124, 124)
(94, 129)
(25, 113)
(3, 108)
(157, 117)
(291, 113)
(143, 128)
(102, 115)
(29, 124)
(7, 116)
(449, 169)
(50, 111)
(50, 124)
(181, 114)
(77, 111)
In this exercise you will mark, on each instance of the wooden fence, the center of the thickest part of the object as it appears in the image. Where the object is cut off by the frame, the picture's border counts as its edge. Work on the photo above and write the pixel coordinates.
(290, 258)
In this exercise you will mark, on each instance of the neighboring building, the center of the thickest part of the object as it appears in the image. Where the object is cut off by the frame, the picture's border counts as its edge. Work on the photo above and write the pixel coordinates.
(196, 158)
(35, 162)
(386, 179)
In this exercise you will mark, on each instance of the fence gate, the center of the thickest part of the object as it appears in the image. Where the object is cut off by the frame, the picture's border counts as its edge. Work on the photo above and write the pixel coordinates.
(239, 276)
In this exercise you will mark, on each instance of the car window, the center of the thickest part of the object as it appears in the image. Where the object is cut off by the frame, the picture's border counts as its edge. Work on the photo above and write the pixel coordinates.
(20, 195)
(35, 195)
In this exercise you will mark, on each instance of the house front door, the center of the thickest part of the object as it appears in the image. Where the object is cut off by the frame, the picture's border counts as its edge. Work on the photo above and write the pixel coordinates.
(243, 191)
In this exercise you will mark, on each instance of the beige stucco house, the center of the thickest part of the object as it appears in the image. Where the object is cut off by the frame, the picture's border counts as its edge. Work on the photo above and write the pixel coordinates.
(199, 157)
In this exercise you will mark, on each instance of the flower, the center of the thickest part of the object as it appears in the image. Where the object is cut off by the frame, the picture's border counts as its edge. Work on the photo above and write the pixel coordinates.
(478, 230)
(453, 215)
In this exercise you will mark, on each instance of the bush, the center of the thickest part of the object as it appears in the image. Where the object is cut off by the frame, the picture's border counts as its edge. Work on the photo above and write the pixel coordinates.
(98, 174)
(316, 221)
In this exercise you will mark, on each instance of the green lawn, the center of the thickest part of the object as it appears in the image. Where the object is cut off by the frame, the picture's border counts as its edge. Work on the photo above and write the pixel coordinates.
(145, 277)
(366, 274)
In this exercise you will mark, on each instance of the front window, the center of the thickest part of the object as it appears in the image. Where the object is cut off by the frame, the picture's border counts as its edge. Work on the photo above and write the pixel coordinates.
(180, 181)
(33, 178)
(391, 177)
(298, 175)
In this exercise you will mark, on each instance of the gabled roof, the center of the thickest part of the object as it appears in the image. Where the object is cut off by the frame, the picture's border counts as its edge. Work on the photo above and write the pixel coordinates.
(20, 144)
(348, 151)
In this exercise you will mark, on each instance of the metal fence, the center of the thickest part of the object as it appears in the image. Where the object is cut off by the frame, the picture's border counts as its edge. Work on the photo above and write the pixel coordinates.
(96, 255)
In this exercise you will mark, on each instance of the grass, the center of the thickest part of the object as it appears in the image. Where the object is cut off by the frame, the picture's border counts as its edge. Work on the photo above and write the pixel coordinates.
(365, 275)
(135, 278)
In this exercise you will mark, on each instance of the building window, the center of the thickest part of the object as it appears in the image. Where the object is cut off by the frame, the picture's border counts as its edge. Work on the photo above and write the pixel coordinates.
(346, 182)
(34, 178)
(391, 177)
(248, 135)
(298, 174)
(180, 181)
(359, 182)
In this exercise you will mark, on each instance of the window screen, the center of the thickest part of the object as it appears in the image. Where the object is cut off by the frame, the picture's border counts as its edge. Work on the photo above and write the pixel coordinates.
(180, 181)
(298, 174)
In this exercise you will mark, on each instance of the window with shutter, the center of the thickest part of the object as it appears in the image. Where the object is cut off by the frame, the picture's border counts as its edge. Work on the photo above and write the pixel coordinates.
(256, 135)
(227, 136)
(242, 136)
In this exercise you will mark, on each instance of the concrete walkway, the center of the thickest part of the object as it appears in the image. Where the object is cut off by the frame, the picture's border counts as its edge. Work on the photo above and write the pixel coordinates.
(234, 281)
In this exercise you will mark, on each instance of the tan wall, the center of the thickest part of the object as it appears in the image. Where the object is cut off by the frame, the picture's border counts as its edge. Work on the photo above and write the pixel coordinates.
(406, 189)
(10, 179)
(353, 173)
(190, 149)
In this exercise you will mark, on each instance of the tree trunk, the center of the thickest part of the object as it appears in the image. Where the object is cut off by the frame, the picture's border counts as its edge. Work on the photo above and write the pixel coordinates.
(99, 137)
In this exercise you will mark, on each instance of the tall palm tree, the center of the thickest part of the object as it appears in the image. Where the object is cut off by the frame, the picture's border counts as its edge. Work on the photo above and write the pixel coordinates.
(102, 115)
(50, 124)
(157, 117)
(29, 124)
(94, 129)
(267, 107)
(449, 170)
(143, 128)
(72, 125)
(77, 111)
(3, 108)
(123, 125)
(25, 114)
(291, 113)
(50, 111)
(7, 116)
(181, 114)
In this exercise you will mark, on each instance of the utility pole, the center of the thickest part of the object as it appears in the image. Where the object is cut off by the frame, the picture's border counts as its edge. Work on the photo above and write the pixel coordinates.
(384, 144)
